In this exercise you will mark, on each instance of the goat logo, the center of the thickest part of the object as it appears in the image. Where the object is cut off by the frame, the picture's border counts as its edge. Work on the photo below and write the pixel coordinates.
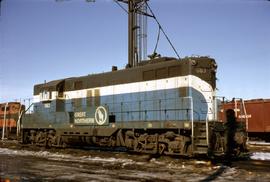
(101, 115)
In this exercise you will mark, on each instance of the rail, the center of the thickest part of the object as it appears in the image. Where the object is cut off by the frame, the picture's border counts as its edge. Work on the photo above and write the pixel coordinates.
(21, 113)
(207, 132)
(4, 122)
(192, 123)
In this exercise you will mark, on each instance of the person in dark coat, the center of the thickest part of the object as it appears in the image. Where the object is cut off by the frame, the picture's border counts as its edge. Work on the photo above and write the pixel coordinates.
(230, 131)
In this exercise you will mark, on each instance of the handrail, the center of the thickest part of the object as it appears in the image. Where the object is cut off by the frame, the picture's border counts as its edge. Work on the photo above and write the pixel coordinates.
(4, 122)
(207, 133)
(18, 127)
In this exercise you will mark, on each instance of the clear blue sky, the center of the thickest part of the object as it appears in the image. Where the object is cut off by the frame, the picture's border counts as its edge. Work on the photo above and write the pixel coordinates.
(45, 40)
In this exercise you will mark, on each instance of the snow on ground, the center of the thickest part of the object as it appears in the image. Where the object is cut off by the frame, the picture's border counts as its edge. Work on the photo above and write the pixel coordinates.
(260, 143)
(67, 157)
(260, 156)
(70, 167)
(64, 157)
(88, 166)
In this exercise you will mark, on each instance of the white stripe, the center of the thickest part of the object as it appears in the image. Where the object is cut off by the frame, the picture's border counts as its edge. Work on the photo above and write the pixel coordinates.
(145, 86)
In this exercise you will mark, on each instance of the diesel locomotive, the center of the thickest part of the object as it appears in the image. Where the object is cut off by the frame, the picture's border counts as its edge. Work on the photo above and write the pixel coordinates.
(161, 106)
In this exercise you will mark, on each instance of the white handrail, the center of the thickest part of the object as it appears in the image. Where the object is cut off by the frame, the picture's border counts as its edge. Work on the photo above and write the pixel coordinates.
(4, 122)
(192, 117)
(246, 117)
(18, 122)
(207, 134)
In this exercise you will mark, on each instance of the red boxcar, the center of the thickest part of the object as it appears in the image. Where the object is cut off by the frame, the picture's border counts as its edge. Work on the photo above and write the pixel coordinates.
(256, 114)
(9, 115)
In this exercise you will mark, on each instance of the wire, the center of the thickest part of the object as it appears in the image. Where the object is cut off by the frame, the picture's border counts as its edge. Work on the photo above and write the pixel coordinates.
(116, 1)
(0, 6)
(157, 40)
(160, 27)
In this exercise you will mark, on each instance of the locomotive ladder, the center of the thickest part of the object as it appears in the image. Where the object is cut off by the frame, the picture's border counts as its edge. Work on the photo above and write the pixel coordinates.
(199, 134)
(200, 140)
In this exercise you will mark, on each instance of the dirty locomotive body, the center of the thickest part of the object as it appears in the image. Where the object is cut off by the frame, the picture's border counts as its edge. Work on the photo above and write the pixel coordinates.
(162, 106)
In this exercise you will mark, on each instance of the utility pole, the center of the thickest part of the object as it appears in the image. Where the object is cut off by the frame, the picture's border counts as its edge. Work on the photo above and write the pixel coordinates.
(0, 6)
(137, 27)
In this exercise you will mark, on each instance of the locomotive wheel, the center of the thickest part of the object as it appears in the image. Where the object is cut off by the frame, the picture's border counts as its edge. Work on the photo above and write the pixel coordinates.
(217, 142)
(135, 145)
(41, 138)
(161, 148)
(25, 137)
(188, 149)
(51, 139)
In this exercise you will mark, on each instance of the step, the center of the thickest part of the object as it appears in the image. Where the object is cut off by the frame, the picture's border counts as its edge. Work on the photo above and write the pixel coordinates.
(201, 137)
(199, 134)
(199, 141)
(201, 145)
(200, 129)
(201, 149)
(199, 152)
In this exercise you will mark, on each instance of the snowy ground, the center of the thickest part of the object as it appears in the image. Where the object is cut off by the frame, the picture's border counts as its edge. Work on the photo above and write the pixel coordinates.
(260, 156)
(24, 165)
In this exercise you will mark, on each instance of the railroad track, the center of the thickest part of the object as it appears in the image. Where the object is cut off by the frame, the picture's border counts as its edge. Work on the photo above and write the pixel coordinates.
(245, 162)
(258, 143)
(253, 165)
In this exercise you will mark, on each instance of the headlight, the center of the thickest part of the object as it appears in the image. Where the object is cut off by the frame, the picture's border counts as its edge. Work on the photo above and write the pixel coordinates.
(186, 125)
